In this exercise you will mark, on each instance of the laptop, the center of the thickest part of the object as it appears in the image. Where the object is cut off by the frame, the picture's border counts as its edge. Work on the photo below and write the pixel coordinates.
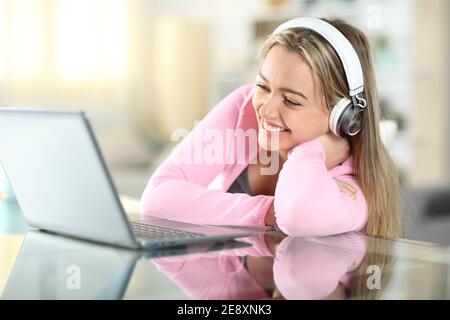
(62, 184)
(54, 267)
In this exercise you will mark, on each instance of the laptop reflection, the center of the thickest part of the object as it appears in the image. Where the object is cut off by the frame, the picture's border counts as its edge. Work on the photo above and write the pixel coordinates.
(52, 267)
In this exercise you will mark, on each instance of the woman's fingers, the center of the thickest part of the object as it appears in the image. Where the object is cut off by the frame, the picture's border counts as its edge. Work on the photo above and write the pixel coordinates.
(347, 191)
(346, 188)
(346, 185)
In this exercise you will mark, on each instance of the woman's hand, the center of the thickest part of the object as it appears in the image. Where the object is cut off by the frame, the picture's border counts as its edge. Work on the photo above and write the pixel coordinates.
(337, 149)
(272, 239)
(346, 188)
(269, 219)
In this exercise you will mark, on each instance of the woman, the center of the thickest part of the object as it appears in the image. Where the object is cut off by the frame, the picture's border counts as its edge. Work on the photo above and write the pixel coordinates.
(321, 183)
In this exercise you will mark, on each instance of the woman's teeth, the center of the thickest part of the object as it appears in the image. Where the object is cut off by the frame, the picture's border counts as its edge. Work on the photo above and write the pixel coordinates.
(271, 128)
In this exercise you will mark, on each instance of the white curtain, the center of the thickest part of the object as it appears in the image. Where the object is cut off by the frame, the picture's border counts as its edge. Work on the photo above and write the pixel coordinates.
(137, 75)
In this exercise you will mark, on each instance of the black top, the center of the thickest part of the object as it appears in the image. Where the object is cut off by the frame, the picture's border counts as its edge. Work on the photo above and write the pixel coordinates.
(240, 185)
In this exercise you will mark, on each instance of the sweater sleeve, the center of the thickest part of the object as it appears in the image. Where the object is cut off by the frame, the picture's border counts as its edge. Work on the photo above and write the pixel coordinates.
(223, 275)
(212, 278)
(305, 269)
(317, 207)
(178, 188)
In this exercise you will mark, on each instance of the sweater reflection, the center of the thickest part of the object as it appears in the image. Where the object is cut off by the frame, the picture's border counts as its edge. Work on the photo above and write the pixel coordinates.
(276, 266)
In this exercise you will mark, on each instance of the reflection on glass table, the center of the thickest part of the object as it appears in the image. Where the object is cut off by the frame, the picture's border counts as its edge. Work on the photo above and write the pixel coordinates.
(347, 266)
(54, 267)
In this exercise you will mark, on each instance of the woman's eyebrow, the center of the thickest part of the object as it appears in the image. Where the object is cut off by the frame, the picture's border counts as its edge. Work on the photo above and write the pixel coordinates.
(284, 89)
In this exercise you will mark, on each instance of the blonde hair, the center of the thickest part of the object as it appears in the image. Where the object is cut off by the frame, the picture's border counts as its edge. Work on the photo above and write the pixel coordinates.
(375, 171)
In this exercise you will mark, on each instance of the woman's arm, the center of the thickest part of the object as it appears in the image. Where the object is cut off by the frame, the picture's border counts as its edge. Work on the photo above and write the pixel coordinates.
(205, 278)
(178, 189)
(308, 201)
(222, 274)
(305, 269)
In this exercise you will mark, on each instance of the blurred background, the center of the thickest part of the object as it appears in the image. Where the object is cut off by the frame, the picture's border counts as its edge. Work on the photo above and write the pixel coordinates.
(143, 68)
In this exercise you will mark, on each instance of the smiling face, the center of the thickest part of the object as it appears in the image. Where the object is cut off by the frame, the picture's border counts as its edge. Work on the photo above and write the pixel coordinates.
(289, 107)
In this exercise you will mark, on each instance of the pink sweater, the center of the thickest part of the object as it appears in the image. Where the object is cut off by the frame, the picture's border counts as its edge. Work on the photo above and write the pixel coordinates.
(190, 187)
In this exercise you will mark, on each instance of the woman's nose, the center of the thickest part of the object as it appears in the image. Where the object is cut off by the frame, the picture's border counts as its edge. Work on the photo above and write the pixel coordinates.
(269, 109)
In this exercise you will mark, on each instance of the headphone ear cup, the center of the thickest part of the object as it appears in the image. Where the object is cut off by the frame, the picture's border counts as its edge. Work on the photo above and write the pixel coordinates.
(351, 121)
(337, 115)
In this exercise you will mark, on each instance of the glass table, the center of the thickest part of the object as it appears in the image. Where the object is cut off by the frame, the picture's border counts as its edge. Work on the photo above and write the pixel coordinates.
(266, 265)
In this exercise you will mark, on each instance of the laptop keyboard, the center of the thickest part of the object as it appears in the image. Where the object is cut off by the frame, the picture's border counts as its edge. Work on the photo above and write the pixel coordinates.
(150, 232)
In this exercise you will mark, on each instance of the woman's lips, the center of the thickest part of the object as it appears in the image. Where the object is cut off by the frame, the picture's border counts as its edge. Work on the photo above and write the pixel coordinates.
(272, 128)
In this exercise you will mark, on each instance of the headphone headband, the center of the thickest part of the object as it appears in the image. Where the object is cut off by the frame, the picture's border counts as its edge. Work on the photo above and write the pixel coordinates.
(343, 47)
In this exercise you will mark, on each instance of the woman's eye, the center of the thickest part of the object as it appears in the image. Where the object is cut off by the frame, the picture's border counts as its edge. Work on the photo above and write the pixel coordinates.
(291, 103)
(263, 87)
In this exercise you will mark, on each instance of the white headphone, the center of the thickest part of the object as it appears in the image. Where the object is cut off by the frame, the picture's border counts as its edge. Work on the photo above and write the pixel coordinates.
(346, 114)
